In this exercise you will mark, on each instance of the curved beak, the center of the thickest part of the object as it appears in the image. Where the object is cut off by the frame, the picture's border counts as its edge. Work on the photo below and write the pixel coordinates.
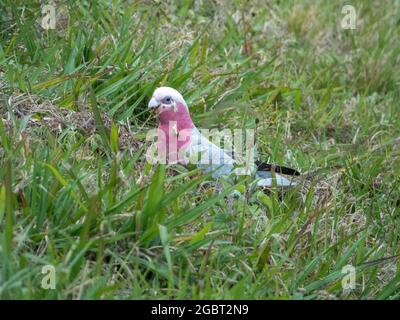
(153, 103)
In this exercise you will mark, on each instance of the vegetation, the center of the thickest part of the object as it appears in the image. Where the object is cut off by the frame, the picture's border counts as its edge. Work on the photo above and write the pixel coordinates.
(77, 194)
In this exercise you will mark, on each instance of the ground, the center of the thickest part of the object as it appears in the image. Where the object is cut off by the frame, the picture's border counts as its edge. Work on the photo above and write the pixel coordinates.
(78, 198)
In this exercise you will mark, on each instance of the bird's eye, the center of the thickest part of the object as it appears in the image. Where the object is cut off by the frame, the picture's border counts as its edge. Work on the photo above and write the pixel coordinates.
(167, 100)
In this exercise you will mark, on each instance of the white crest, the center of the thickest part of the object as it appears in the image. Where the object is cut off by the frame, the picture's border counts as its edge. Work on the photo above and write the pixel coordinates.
(162, 92)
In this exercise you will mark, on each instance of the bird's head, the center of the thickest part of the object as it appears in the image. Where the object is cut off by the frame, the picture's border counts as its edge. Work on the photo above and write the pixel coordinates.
(175, 125)
(170, 106)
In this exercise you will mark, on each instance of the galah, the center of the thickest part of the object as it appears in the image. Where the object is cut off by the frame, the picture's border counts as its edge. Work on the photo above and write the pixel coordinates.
(182, 142)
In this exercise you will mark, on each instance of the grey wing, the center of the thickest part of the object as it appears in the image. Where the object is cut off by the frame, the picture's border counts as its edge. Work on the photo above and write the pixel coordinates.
(208, 156)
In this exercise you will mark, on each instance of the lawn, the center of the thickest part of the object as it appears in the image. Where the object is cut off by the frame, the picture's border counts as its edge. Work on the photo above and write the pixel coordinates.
(84, 216)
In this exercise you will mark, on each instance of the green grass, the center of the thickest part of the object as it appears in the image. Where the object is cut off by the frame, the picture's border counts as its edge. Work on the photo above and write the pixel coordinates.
(327, 101)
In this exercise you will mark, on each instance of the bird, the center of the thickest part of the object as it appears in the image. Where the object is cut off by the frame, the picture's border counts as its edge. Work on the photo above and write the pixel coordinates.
(180, 141)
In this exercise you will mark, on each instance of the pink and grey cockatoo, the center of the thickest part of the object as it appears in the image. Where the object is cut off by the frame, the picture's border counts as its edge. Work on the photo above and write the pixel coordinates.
(182, 142)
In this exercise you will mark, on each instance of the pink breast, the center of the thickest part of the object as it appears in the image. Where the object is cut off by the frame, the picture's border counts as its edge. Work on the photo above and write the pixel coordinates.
(174, 132)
